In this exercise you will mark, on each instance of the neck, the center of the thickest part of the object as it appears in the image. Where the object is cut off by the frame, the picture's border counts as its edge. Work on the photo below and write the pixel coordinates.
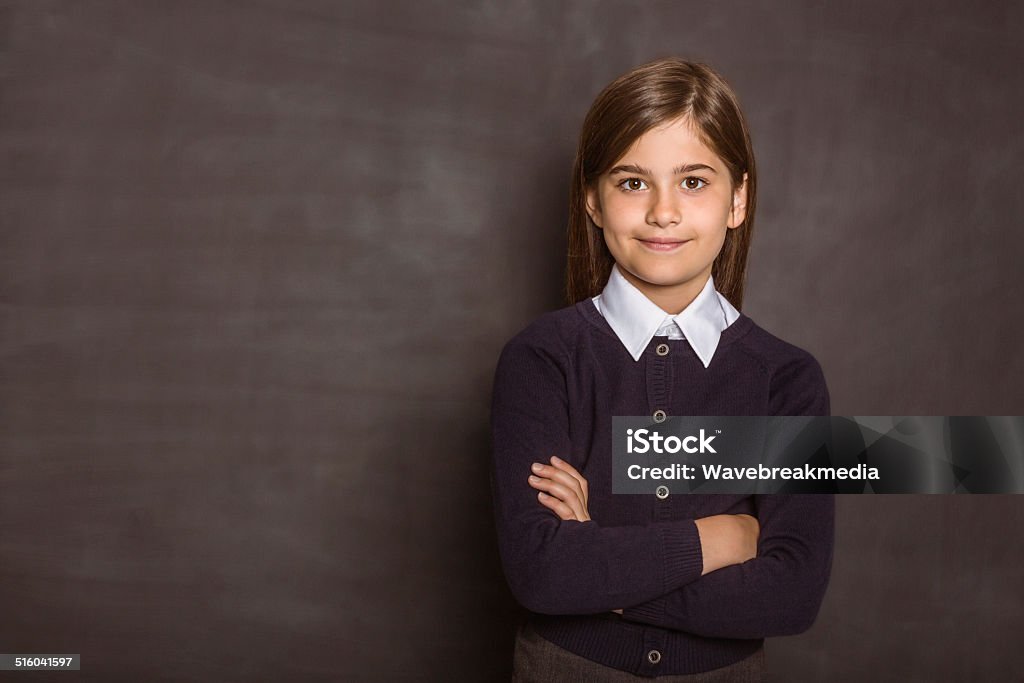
(672, 299)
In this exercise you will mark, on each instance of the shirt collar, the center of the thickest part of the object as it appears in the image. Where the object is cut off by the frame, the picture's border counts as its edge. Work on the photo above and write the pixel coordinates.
(634, 318)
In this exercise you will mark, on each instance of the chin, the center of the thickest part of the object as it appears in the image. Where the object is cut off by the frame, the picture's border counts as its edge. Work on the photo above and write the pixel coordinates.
(663, 277)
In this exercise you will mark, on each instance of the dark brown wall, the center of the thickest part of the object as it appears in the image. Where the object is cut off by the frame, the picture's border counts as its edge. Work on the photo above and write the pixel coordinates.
(259, 258)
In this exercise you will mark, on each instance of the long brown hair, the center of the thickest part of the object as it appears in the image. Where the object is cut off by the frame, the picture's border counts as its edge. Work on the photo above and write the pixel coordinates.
(646, 97)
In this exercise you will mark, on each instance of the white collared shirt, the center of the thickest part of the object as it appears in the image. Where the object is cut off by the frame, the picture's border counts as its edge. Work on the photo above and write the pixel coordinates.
(636, 320)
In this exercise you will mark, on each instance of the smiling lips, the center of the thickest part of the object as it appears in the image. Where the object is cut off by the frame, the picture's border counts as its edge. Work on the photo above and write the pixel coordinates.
(662, 243)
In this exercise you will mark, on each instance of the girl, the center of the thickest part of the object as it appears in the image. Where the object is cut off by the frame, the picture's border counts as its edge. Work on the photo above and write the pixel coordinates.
(624, 587)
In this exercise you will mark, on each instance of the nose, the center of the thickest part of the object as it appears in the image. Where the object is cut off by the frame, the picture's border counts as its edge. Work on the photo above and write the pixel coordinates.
(664, 209)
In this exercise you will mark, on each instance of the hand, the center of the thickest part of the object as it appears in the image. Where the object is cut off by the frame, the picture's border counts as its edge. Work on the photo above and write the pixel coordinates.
(727, 539)
(750, 535)
(563, 490)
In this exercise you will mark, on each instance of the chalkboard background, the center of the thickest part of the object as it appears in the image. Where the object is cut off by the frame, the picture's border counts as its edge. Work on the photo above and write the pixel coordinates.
(259, 258)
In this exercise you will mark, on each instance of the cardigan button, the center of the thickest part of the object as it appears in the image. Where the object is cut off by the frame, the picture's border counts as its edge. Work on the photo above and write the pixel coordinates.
(662, 350)
(661, 492)
(653, 656)
(659, 416)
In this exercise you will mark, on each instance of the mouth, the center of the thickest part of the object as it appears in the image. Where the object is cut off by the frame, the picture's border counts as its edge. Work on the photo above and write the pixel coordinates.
(662, 244)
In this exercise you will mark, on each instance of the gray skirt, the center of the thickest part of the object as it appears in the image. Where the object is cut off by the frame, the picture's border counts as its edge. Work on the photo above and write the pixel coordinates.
(538, 660)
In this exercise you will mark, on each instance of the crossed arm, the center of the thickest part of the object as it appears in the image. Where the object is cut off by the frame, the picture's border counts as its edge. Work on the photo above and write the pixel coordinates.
(776, 579)
(724, 539)
(735, 576)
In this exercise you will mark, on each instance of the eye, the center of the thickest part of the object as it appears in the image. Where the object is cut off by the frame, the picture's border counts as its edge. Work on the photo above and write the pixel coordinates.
(632, 184)
(694, 183)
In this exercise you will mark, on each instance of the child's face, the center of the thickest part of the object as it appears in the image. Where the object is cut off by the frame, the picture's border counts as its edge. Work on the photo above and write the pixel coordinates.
(664, 209)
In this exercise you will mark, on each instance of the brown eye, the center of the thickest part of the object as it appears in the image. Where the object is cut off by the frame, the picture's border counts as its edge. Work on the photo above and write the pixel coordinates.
(633, 185)
(694, 183)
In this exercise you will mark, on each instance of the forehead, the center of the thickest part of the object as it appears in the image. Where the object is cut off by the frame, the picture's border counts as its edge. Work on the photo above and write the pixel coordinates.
(670, 144)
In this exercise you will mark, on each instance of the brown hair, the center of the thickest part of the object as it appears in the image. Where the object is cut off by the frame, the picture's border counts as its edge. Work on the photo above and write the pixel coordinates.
(648, 96)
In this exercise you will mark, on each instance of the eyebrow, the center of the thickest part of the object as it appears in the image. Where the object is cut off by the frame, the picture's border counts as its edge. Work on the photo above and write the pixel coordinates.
(640, 170)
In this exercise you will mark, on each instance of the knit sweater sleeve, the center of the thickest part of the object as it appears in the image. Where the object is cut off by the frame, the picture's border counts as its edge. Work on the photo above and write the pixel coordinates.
(567, 567)
(780, 591)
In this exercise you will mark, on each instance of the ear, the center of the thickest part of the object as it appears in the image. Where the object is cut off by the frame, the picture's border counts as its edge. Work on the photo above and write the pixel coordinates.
(738, 211)
(594, 206)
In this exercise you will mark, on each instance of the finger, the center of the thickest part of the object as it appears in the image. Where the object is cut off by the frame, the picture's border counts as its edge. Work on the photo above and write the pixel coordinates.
(565, 494)
(562, 477)
(579, 498)
(563, 465)
(556, 506)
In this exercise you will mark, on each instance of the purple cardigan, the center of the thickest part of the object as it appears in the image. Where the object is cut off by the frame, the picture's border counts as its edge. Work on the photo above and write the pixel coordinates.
(557, 385)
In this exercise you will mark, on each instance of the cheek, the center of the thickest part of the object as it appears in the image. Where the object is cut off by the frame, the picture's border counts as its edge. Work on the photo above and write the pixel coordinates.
(712, 215)
(615, 205)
